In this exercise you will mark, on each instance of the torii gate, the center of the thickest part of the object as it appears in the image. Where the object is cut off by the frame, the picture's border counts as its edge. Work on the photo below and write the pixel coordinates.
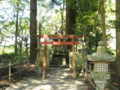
(59, 42)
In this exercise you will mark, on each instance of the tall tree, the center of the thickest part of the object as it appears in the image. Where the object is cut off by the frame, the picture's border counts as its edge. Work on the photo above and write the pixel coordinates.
(70, 22)
(118, 37)
(62, 17)
(70, 16)
(102, 10)
(17, 27)
(33, 30)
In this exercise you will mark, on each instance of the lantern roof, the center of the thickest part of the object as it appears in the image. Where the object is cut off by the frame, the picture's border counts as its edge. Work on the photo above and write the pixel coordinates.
(101, 54)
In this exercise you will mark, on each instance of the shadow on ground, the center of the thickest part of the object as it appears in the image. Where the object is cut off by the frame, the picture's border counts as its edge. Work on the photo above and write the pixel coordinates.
(58, 78)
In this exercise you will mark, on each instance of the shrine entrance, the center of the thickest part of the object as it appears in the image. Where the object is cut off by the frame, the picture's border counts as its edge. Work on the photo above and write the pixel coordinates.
(59, 42)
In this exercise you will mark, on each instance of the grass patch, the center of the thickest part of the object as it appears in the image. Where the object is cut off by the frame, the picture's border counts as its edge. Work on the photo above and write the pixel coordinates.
(5, 58)
(6, 49)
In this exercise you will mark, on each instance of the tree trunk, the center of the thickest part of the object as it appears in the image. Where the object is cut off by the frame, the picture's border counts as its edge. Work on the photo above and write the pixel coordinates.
(118, 37)
(40, 31)
(20, 44)
(70, 16)
(62, 18)
(70, 22)
(102, 10)
(33, 29)
(16, 31)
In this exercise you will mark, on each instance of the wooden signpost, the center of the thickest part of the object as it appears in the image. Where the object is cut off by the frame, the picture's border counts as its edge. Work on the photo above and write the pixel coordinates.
(59, 42)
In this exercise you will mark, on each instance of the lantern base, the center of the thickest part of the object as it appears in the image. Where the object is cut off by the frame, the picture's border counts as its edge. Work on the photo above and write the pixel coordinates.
(100, 84)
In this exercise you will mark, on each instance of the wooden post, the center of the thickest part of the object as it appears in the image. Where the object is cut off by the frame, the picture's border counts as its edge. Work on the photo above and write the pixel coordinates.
(9, 70)
(73, 59)
(59, 46)
(44, 59)
(59, 40)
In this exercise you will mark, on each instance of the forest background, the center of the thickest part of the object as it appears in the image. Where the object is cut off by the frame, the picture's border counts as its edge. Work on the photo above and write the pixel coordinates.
(22, 20)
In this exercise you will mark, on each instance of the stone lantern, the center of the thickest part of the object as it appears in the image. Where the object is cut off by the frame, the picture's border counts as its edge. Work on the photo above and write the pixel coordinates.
(100, 72)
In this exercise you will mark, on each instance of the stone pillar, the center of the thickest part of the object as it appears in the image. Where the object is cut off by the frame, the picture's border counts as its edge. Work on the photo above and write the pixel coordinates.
(100, 84)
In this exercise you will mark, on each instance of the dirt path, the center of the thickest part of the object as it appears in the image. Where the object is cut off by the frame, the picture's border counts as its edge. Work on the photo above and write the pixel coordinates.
(58, 78)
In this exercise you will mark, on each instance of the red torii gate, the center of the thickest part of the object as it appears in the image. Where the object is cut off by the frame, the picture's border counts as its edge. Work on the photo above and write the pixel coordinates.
(59, 42)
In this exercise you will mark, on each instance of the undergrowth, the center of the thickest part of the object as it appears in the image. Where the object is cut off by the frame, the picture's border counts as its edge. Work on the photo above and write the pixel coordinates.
(5, 58)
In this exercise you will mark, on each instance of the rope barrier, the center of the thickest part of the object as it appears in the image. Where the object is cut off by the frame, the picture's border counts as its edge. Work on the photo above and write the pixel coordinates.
(13, 73)
(91, 83)
(112, 86)
(88, 78)
(10, 65)
(14, 64)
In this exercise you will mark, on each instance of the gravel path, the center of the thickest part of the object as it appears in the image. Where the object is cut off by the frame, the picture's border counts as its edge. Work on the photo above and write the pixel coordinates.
(58, 78)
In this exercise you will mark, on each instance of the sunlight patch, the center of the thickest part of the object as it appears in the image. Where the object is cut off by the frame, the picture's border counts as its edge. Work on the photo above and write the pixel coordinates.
(79, 82)
(43, 87)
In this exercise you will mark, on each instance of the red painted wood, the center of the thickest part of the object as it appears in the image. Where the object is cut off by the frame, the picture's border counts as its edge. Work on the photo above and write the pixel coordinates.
(60, 43)
(59, 36)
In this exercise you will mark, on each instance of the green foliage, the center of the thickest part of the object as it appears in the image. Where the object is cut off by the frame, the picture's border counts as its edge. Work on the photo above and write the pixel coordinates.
(111, 51)
(88, 22)
(8, 18)
(5, 58)
(71, 4)
(94, 37)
